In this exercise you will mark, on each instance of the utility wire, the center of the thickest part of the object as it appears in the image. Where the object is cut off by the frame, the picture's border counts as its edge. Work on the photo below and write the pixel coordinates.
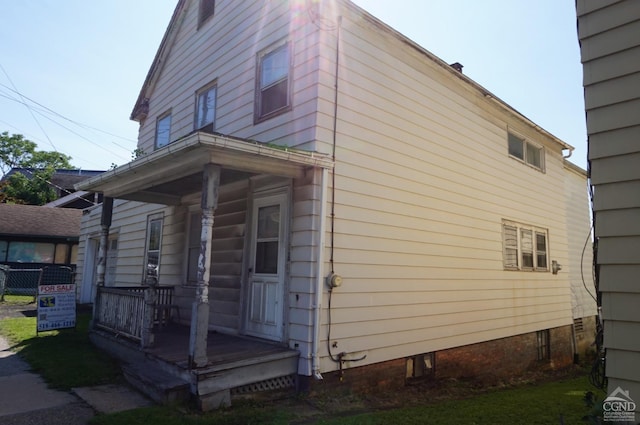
(64, 117)
(74, 122)
(30, 111)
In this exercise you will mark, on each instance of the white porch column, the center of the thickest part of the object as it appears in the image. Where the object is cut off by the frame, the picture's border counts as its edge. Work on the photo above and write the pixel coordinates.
(200, 308)
(101, 268)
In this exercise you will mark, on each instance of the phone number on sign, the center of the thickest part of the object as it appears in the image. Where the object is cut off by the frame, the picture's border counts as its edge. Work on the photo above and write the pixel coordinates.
(56, 325)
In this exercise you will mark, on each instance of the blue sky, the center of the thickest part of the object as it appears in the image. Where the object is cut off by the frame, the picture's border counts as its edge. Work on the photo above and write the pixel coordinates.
(86, 60)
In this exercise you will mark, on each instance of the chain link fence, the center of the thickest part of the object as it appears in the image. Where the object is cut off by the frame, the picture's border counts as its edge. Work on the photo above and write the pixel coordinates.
(24, 279)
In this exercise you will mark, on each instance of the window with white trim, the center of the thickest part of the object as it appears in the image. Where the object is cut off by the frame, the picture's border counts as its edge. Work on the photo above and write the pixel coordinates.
(163, 130)
(273, 82)
(524, 247)
(526, 151)
(152, 247)
(206, 109)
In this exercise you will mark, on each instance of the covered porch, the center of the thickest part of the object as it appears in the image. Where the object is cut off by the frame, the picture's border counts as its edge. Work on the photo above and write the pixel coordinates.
(149, 324)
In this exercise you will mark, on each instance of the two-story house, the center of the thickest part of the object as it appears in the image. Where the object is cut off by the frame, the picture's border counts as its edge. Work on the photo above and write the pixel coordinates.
(321, 201)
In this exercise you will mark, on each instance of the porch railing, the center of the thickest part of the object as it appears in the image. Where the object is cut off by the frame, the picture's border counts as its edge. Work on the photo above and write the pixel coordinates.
(123, 310)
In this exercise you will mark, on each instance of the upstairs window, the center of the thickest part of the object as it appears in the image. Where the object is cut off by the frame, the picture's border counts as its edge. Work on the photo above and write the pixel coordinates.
(526, 151)
(273, 82)
(163, 130)
(207, 8)
(206, 109)
(524, 247)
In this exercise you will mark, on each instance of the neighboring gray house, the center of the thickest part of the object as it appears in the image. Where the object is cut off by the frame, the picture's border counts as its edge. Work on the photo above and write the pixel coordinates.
(324, 202)
(609, 34)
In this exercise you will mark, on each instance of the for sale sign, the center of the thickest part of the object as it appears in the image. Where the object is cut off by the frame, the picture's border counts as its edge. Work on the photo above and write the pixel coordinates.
(56, 307)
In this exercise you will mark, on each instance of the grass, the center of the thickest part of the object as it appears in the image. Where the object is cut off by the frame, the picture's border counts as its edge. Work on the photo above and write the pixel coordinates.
(65, 358)
(532, 404)
(18, 299)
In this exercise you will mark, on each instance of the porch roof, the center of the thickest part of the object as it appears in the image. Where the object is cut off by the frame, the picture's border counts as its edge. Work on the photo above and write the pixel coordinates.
(175, 170)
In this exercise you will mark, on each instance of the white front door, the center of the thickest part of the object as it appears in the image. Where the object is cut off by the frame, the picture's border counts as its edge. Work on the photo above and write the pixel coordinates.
(267, 262)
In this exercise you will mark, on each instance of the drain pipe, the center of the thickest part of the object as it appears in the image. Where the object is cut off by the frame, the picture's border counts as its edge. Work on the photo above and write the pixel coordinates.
(319, 273)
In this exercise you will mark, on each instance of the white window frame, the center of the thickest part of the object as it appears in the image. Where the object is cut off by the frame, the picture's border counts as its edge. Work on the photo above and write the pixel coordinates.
(200, 122)
(263, 86)
(520, 247)
(526, 147)
(163, 136)
(152, 220)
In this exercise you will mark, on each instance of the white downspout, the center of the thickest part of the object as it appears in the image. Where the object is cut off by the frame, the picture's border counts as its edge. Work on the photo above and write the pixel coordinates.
(319, 274)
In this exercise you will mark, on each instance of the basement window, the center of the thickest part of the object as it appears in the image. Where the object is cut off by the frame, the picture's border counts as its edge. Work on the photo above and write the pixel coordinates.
(421, 367)
(544, 352)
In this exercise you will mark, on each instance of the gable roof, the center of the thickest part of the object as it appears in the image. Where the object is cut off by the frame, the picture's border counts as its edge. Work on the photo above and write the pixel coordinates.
(140, 108)
(31, 220)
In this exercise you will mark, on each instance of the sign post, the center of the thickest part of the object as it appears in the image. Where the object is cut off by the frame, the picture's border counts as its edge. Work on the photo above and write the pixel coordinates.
(56, 307)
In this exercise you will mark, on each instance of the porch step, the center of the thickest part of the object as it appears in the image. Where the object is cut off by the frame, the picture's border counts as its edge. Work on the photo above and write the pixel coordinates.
(160, 386)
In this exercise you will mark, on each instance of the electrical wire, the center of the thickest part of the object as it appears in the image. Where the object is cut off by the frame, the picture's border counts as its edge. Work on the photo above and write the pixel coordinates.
(72, 131)
(29, 109)
(584, 248)
(79, 124)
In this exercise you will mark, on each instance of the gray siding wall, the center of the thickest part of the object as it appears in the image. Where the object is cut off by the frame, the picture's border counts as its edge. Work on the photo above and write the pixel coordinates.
(609, 33)
(580, 266)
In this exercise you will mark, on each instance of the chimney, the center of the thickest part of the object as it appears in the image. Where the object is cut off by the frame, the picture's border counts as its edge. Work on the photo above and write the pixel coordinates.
(457, 66)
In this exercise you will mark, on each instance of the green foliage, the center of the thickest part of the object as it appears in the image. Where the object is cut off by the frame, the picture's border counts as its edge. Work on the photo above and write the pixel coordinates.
(33, 189)
(15, 150)
(137, 153)
(65, 358)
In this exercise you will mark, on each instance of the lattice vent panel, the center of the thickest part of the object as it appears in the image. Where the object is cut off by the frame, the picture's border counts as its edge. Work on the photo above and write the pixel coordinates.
(281, 382)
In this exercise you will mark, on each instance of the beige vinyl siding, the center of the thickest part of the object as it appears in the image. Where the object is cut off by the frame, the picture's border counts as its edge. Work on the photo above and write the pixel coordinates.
(303, 279)
(241, 31)
(423, 182)
(580, 266)
(609, 40)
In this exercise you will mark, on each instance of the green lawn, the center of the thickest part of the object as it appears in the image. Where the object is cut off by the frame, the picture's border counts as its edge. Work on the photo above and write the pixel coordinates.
(65, 358)
(543, 404)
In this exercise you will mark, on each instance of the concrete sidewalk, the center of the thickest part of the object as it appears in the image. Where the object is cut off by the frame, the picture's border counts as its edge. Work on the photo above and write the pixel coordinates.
(25, 398)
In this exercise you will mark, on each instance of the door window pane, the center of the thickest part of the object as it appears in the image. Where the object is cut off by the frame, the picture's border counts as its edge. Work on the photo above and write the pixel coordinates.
(269, 222)
(267, 257)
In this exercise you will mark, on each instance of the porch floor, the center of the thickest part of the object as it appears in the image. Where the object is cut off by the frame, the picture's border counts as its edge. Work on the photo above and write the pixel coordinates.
(172, 346)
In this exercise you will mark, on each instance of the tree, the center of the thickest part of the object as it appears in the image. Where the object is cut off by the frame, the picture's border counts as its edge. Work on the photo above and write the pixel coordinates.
(14, 151)
(34, 188)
